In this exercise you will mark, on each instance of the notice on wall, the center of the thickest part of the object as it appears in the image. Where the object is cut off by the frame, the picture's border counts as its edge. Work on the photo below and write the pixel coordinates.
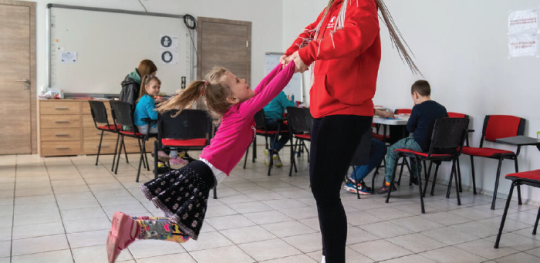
(169, 57)
(523, 21)
(167, 41)
(68, 57)
(522, 45)
(523, 33)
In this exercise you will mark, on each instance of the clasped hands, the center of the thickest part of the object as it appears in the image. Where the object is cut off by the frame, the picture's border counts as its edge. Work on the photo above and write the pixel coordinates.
(299, 64)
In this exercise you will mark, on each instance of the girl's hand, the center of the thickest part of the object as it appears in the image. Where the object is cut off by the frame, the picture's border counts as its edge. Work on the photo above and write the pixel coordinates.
(299, 64)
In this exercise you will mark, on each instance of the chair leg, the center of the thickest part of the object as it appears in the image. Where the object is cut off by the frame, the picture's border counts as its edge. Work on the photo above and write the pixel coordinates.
(459, 176)
(473, 175)
(292, 158)
(119, 154)
(215, 192)
(428, 174)
(254, 149)
(434, 179)
(457, 184)
(141, 161)
(420, 186)
(155, 159)
(518, 186)
(449, 187)
(115, 152)
(375, 175)
(496, 185)
(245, 158)
(146, 158)
(141, 149)
(126, 153)
(355, 183)
(99, 147)
(504, 215)
(392, 181)
(536, 222)
(403, 162)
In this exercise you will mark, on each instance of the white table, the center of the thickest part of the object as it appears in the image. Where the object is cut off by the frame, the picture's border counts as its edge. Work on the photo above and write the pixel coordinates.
(385, 121)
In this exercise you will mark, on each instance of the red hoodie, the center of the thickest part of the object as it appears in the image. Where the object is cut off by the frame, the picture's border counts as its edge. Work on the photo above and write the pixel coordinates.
(346, 62)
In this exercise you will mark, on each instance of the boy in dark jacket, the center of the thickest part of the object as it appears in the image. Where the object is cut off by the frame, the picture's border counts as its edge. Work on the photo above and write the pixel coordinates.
(421, 122)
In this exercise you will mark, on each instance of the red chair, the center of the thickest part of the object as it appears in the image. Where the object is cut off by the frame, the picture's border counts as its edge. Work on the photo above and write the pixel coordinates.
(260, 125)
(446, 145)
(300, 121)
(531, 178)
(496, 127)
(403, 111)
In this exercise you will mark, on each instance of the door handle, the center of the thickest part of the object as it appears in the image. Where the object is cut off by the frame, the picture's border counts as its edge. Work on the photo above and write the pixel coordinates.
(26, 83)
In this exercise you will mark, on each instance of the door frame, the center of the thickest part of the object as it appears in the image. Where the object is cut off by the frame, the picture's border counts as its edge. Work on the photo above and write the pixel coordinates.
(221, 21)
(33, 67)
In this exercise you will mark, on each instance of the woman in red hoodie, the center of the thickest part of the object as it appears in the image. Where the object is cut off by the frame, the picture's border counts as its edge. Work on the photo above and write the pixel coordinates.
(343, 49)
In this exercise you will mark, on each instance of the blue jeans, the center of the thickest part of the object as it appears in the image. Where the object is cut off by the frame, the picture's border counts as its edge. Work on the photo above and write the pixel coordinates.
(272, 125)
(376, 155)
(407, 143)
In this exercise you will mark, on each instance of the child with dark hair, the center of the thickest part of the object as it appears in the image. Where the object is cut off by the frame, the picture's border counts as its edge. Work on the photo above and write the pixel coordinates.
(420, 124)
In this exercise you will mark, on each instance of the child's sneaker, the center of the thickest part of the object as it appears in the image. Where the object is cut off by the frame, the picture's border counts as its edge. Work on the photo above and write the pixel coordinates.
(178, 161)
(386, 188)
(266, 157)
(350, 187)
(277, 160)
(122, 234)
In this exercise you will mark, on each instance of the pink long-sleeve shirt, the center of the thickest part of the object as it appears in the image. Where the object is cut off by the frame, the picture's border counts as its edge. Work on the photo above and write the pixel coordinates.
(237, 127)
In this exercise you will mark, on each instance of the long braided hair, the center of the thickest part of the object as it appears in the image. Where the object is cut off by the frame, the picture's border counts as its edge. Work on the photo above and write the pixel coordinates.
(398, 41)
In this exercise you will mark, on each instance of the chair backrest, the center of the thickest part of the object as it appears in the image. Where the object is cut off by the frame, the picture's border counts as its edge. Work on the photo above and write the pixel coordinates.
(502, 126)
(99, 112)
(403, 111)
(361, 156)
(300, 120)
(457, 115)
(448, 134)
(189, 124)
(260, 120)
(122, 113)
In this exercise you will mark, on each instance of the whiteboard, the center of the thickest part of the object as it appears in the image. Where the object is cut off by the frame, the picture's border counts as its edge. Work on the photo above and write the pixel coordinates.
(295, 85)
(110, 45)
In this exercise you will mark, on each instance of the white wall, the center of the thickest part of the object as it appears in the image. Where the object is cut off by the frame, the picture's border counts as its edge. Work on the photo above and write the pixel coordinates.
(266, 17)
(461, 48)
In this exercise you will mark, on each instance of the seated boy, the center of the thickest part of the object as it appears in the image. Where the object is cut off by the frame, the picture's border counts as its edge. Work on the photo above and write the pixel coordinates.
(421, 122)
(377, 152)
(274, 111)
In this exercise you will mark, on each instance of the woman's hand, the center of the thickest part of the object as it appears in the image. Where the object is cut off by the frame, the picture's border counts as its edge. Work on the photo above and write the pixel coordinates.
(299, 64)
(385, 114)
(283, 60)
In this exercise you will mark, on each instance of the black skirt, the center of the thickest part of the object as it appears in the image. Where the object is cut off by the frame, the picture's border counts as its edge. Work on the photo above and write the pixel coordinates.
(183, 195)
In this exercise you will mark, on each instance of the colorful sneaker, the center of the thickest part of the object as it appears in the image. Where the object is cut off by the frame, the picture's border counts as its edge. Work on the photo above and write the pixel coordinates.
(122, 234)
(266, 157)
(277, 160)
(386, 188)
(349, 187)
(178, 161)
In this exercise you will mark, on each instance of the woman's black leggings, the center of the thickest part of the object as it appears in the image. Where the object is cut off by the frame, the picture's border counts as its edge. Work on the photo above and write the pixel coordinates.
(334, 140)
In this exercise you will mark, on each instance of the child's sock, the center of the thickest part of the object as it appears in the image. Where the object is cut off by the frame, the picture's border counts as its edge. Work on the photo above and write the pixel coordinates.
(159, 228)
(386, 183)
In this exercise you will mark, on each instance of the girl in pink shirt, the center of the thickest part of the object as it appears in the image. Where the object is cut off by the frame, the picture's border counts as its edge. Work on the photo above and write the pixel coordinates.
(182, 194)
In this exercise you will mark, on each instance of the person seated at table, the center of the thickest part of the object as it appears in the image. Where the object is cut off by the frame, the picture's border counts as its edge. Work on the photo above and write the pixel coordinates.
(421, 122)
(273, 112)
(376, 155)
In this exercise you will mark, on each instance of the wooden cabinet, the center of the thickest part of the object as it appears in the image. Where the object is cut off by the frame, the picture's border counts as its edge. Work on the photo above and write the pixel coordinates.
(66, 128)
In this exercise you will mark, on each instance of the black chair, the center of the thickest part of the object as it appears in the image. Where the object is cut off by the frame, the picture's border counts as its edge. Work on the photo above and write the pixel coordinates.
(122, 113)
(300, 122)
(260, 125)
(189, 130)
(446, 145)
(361, 157)
(99, 115)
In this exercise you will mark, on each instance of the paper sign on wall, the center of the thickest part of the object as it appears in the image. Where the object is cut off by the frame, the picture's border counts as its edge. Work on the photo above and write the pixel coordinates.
(68, 57)
(523, 33)
(524, 21)
(169, 57)
(522, 45)
(168, 41)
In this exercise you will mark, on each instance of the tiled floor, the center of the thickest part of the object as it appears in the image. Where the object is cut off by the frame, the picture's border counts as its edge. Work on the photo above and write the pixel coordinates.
(59, 209)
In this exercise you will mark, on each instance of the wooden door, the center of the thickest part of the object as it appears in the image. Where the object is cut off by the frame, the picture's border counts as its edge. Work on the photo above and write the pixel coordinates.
(225, 43)
(17, 92)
